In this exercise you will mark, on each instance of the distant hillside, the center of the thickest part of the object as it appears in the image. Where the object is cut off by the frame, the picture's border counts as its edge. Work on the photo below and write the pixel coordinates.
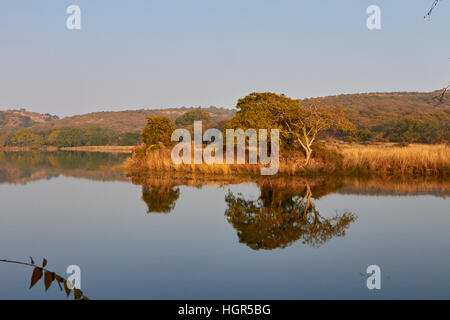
(128, 121)
(26, 129)
(394, 117)
(397, 116)
(372, 109)
(15, 119)
(120, 121)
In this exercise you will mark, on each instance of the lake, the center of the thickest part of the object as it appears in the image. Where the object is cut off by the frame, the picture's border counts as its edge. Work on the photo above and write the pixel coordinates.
(189, 238)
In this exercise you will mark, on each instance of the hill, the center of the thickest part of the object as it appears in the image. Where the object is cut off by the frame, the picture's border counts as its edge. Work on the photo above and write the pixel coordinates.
(16, 119)
(128, 121)
(21, 128)
(396, 117)
(371, 109)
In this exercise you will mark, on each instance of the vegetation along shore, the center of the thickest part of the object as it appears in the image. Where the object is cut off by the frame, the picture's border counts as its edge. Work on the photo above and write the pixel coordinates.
(315, 139)
(399, 134)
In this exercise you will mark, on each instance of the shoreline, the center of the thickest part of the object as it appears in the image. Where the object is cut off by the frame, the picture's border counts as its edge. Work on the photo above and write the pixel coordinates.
(112, 149)
(345, 160)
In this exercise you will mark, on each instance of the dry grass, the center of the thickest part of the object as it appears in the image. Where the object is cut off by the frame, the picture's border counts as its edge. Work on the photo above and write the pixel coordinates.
(159, 161)
(414, 160)
(420, 160)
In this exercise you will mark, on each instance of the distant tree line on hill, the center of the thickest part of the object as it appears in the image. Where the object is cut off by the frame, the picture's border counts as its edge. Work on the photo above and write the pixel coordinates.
(377, 117)
(395, 117)
(97, 136)
(410, 130)
(68, 137)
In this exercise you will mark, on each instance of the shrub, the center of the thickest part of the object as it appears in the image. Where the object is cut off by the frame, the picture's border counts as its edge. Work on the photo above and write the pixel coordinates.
(158, 129)
(327, 155)
(189, 117)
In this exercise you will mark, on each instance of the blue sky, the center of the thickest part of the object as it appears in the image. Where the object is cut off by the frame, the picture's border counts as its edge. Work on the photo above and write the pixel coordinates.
(151, 54)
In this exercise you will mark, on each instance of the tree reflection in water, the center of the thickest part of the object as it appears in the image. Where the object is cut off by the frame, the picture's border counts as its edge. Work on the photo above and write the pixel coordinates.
(284, 212)
(160, 198)
(281, 216)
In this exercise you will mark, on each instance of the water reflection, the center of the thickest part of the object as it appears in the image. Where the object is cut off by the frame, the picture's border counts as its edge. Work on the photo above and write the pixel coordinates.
(160, 198)
(24, 167)
(208, 230)
(284, 212)
(281, 216)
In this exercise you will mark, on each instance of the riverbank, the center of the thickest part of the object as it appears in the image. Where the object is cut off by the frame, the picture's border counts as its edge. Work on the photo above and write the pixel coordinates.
(113, 149)
(345, 159)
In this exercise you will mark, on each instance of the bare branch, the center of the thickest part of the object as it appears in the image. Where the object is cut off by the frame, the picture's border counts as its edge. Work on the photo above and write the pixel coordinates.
(441, 98)
(428, 15)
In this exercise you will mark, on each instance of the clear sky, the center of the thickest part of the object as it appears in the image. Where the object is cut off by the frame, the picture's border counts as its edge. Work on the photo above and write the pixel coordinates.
(150, 54)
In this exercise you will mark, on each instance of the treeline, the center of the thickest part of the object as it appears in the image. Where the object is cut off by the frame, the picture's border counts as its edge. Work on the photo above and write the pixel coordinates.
(68, 137)
(406, 130)
(377, 117)
(395, 117)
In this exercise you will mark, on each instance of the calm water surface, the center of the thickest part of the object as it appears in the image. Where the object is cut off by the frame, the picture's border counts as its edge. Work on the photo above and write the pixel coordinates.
(185, 239)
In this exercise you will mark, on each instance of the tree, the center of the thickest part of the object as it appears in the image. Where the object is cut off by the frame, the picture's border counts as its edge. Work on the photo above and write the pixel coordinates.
(52, 138)
(307, 119)
(25, 137)
(188, 118)
(158, 129)
(2, 118)
(160, 198)
(3, 140)
(97, 136)
(129, 139)
(281, 216)
(70, 137)
(299, 121)
(428, 16)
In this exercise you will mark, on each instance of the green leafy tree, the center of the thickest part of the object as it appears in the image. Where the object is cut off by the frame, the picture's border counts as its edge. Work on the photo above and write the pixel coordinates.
(3, 140)
(52, 137)
(97, 136)
(299, 122)
(281, 216)
(188, 118)
(158, 129)
(71, 137)
(26, 138)
(130, 139)
(160, 199)
(2, 118)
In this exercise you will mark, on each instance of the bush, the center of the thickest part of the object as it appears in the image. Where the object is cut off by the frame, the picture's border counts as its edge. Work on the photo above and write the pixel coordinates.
(327, 155)
(189, 117)
(71, 137)
(139, 152)
(26, 138)
(130, 139)
(3, 140)
(158, 129)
